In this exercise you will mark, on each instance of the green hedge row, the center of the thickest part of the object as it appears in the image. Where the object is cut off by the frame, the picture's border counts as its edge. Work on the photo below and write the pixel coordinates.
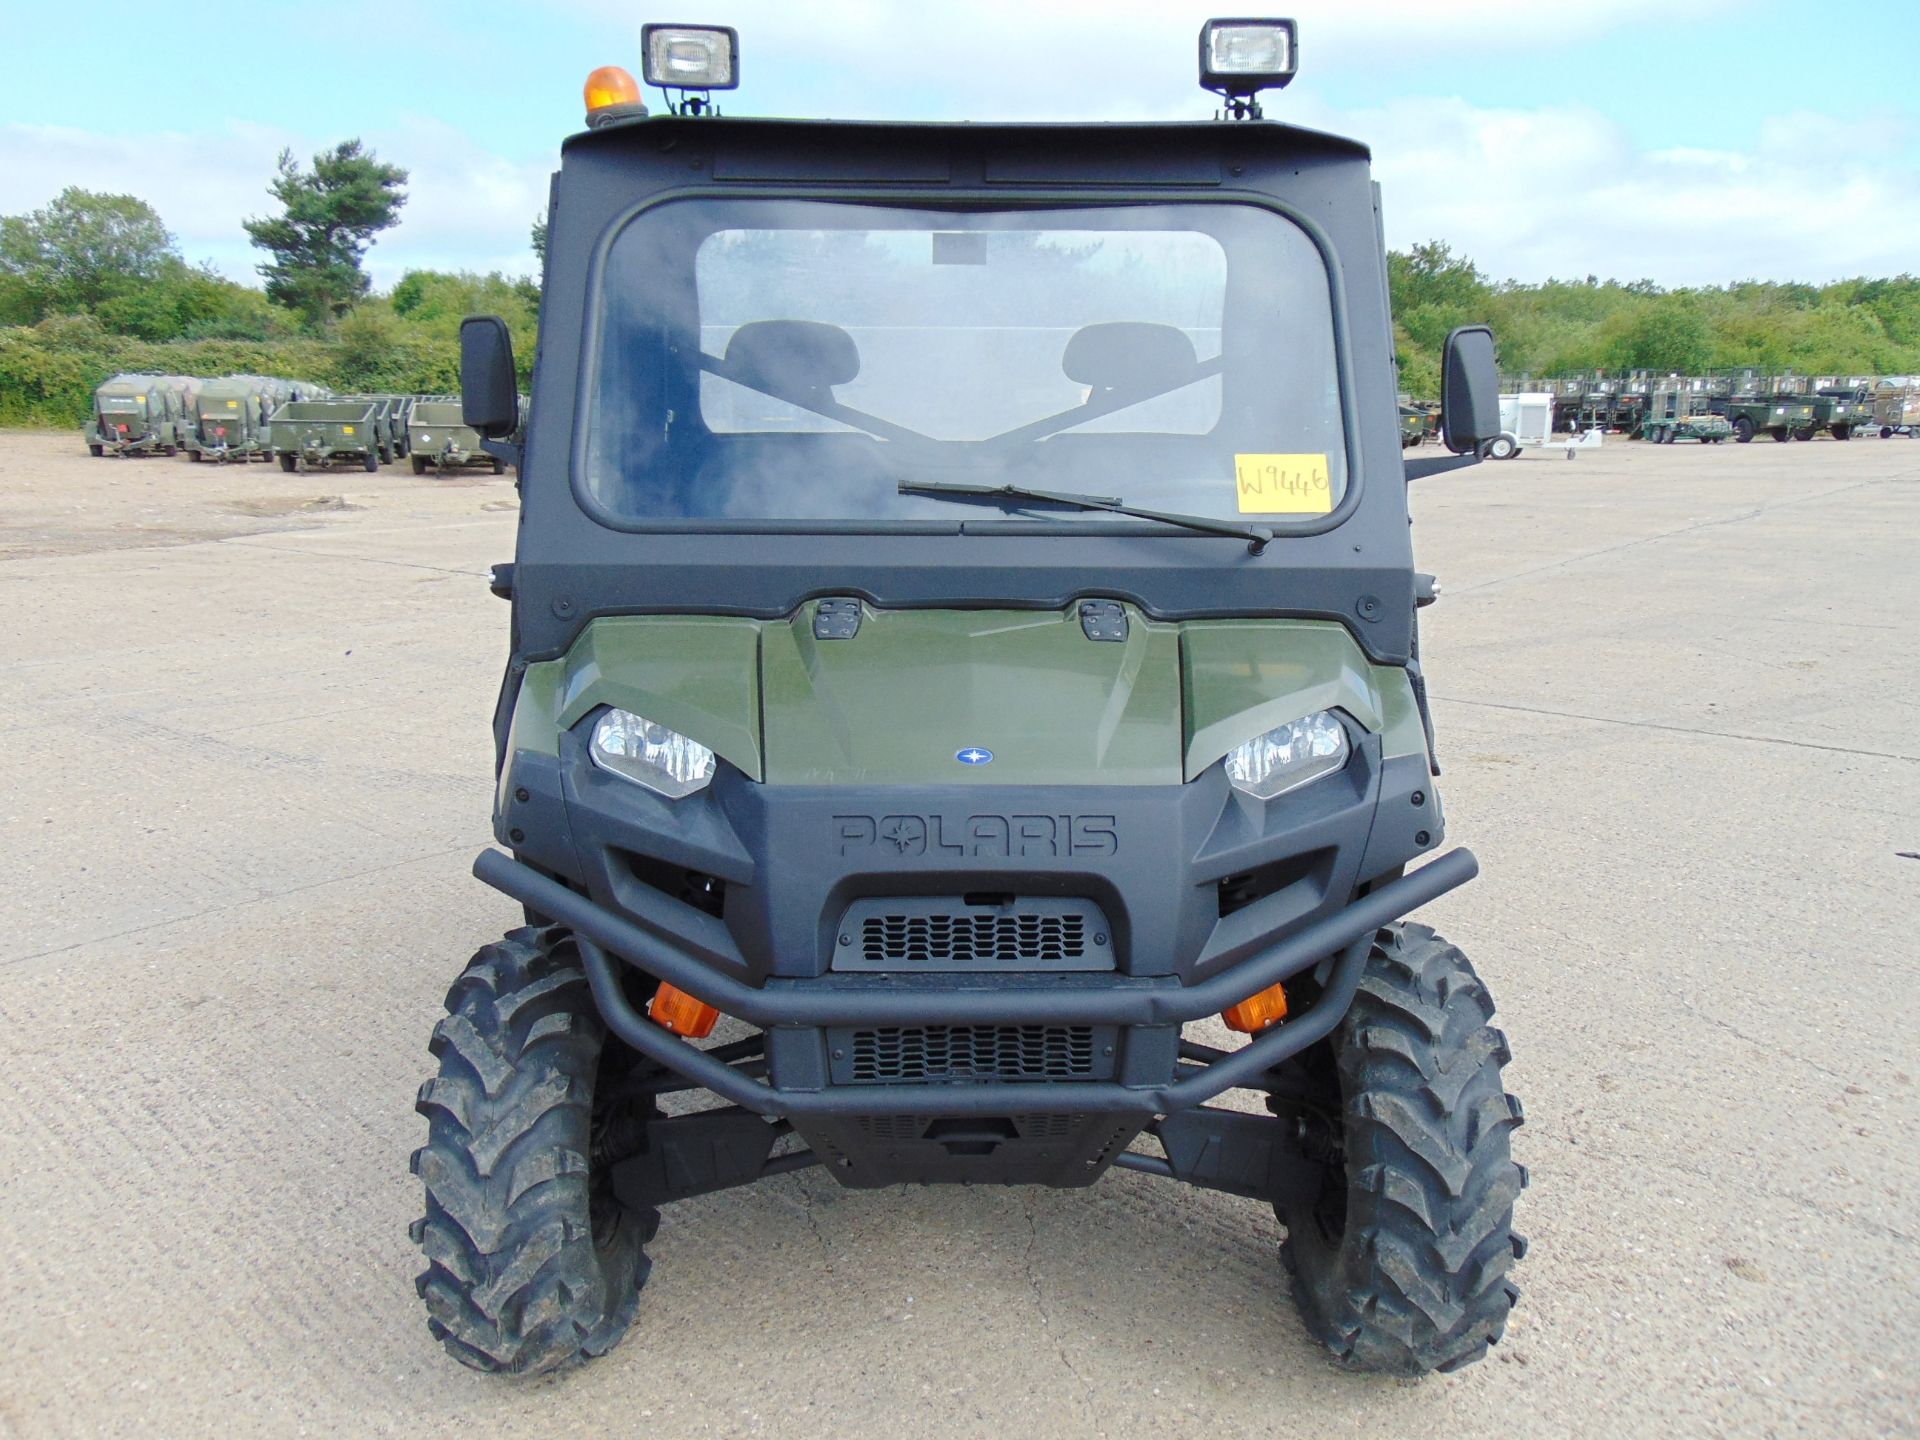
(48, 372)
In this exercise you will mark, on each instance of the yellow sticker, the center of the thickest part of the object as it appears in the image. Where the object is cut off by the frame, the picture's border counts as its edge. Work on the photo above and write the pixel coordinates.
(1282, 484)
(233, 404)
(346, 429)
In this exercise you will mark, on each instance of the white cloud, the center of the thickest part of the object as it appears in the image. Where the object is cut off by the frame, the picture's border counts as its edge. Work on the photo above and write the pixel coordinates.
(1526, 192)
(466, 209)
(1563, 191)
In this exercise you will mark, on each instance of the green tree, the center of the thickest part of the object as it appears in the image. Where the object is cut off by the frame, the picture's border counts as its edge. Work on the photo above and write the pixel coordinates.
(1665, 334)
(329, 216)
(79, 251)
(538, 237)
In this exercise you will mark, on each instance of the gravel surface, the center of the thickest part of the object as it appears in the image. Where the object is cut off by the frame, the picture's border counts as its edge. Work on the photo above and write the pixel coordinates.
(247, 764)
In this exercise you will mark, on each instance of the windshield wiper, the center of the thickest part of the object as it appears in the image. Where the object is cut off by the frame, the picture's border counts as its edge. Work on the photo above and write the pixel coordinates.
(1256, 536)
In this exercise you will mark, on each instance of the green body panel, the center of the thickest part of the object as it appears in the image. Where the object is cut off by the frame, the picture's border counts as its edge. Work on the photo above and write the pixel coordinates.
(535, 724)
(1244, 677)
(324, 427)
(895, 704)
(698, 674)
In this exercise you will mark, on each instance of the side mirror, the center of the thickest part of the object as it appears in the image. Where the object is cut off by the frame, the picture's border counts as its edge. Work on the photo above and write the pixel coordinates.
(1469, 390)
(489, 390)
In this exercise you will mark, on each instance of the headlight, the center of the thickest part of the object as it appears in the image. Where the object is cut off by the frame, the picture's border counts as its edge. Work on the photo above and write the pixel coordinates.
(638, 749)
(1289, 756)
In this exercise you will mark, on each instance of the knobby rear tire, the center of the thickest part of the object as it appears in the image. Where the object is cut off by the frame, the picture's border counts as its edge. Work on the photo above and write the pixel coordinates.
(532, 1264)
(1401, 1268)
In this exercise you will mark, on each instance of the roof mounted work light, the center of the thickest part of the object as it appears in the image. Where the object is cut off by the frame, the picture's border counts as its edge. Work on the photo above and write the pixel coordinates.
(690, 57)
(1240, 58)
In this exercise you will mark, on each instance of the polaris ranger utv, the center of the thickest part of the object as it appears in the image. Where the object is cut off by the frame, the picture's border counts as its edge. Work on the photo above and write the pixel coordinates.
(963, 631)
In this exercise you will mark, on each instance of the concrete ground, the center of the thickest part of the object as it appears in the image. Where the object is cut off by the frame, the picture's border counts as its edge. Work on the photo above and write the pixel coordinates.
(246, 765)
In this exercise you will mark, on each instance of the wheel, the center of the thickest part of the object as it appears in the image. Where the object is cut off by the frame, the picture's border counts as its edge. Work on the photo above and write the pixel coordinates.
(372, 462)
(500, 466)
(1842, 432)
(1805, 432)
(195, 456)
(419, 464)
(532, 1264)
(169, 450)
(1780, 433)
(1503, 447)
(1886, 433)
(1400, 1265)
(98, 450)
(1743, 430)
(288, 463)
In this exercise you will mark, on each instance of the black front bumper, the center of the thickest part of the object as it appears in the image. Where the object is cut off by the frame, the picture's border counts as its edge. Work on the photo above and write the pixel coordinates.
(1148, 1007)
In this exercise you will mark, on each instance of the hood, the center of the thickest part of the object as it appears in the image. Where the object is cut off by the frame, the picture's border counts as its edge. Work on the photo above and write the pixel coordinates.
(956, 696)
(964, 697)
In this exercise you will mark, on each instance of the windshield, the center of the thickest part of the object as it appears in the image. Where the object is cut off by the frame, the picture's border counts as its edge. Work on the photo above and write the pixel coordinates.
(776, 360)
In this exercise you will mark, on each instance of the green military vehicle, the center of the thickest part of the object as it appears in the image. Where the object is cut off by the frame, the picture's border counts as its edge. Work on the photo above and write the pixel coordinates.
(318, 434)
(442, 442)
(141, 414)
(1419, 423)
(1783, 413)
(1842, 409)
(964, 631)
(1682, 410)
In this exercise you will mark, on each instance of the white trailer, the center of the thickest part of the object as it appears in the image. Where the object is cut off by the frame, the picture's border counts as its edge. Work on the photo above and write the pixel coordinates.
(1526, 423)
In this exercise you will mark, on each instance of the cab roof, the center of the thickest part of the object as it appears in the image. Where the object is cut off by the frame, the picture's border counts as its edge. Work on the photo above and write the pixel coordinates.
(1076, 146)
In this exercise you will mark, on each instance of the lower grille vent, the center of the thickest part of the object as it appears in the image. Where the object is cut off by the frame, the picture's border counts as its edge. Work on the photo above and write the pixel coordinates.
(972, 1052)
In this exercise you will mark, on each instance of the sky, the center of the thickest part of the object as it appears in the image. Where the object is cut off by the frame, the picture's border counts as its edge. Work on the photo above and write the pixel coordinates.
(1693, 143)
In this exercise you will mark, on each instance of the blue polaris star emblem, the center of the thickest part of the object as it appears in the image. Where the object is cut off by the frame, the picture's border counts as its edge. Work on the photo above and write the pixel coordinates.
(974, 755)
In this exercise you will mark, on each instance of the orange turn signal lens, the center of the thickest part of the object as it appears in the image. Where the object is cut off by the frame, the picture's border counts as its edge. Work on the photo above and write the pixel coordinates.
(679, 1012)
(609, 86)
(1257, 1012)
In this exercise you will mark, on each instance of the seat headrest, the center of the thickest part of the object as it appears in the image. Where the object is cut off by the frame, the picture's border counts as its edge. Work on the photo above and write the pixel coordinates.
(792, 357)
(1129, 355)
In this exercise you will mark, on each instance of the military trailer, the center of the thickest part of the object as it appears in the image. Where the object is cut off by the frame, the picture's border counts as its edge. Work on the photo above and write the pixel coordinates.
(388, 421)
(1778, 406)
(1682, 409)
(1419, 423)
(1841, 409)
(231, 419)
(318, 434)
(1896, 408)
(441, 442)
(141, 414)
(964, 630)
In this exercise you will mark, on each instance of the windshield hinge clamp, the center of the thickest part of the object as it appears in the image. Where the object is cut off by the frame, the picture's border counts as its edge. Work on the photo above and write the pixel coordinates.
(1103, 620)
(836, 619)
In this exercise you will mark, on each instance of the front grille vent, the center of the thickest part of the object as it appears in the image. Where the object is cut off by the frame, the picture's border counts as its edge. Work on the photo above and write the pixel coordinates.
(972, 1052)
(978, 932)
(966, 939)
